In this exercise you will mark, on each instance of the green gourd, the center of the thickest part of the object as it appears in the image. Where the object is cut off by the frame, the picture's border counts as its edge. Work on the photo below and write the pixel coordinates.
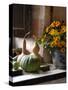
(31, 62)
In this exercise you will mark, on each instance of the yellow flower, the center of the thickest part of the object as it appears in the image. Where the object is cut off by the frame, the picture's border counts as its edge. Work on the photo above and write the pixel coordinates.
(52, 44)
(63, 43)
(56, 43)
(54, 32)
(53, 24)
(56, 40)
(63, 29)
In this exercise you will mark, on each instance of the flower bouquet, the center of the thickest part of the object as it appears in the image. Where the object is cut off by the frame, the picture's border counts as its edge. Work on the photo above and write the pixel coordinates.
(54, 38)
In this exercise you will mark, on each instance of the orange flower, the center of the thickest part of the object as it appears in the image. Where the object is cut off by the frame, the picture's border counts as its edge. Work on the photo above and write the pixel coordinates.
(59, 44)
(58, 23)
(57, 38)
(55, 24)
(56, 43)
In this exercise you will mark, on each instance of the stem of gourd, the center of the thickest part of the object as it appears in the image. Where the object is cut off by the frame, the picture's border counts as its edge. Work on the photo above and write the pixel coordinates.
(26, 35)
(24, 41)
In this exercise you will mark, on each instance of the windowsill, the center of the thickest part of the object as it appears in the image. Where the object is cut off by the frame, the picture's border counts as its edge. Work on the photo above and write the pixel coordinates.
(30, 79)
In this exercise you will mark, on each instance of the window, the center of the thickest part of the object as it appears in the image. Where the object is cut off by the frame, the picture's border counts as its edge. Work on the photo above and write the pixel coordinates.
(22, 15)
